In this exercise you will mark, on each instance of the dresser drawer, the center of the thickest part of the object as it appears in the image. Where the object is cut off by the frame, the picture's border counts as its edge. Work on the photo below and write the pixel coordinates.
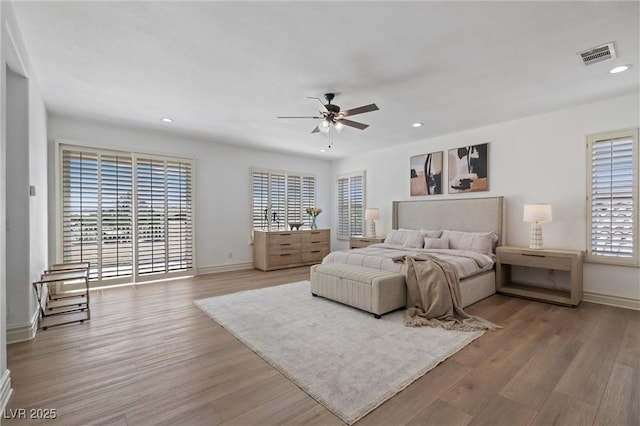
(284, 238)
(315, 236)
(314, 256)
(284, 259)
(285, 248)
(314, 246)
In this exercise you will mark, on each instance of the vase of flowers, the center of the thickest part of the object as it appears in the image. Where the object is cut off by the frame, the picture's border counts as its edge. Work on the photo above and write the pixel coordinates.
(313, 212)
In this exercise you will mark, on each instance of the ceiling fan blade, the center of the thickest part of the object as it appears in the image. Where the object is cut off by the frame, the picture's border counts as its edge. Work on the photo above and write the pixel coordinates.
(360, 110)
(316, 130)
(353, 124)
(298, 116)
(319, 100)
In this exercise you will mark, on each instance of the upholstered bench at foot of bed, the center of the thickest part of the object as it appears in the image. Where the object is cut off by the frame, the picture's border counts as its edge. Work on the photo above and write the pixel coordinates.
(368, 289)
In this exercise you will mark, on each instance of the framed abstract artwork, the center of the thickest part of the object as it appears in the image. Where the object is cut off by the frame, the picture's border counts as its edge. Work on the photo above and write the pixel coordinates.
(468, 169)
(426, 174)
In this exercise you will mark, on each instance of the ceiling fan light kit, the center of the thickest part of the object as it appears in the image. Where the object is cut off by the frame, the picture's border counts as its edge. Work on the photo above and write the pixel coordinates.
(333, 118)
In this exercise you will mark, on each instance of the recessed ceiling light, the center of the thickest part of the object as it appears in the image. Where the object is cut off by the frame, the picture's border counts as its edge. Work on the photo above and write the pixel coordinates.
(323, 150)
(417, 124)
(621, 68)
(167, 120)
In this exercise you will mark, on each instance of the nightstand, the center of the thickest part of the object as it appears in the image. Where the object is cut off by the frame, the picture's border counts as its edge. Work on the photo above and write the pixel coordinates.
(359, 242)
(546, 259)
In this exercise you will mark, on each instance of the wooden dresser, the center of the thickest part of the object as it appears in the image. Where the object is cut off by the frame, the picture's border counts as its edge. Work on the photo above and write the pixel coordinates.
(288, 249)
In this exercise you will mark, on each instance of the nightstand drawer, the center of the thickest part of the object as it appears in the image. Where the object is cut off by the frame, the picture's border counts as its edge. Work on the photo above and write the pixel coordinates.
(536, 261)
(360, 242)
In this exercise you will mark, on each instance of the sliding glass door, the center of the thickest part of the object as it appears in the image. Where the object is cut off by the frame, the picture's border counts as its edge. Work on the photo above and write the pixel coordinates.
(129, 215)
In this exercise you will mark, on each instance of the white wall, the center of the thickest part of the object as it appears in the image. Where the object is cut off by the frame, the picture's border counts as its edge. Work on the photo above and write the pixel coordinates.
(3, 221)
(222, 185)
(535, 159)
(23, 123)
(19, 294)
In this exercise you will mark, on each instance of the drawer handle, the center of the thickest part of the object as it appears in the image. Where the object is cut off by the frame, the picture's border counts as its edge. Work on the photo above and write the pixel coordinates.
(315, 232)
(315, 242)
(285, 244)
(286, 254)
(286, 235)
(533, 255)
(315, 251)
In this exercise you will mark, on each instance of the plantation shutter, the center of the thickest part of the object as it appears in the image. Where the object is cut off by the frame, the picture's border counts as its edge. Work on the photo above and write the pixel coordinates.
(80, 208)
(260, 188)
(179, 216)
(294, 199)
(356, 202)
(613, 198)
(278, 202)
(152, 199)
(129, 215)
(280, 197)
(116, 185)
(308, 197)
(350, 202)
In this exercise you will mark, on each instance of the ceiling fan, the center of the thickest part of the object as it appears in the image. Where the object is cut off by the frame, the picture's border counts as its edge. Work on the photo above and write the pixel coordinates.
(332, 115)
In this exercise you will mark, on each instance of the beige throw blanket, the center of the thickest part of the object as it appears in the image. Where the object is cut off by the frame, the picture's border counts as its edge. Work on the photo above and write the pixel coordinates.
(434, 296)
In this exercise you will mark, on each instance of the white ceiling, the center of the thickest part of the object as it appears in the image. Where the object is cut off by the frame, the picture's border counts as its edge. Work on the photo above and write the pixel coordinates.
(225, 70)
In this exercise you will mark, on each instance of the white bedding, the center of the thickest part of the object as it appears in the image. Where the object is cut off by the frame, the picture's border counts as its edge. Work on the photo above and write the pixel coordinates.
(379, 256)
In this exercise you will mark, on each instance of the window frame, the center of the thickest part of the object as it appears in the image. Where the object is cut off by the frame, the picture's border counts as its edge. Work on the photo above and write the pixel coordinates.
(362, 174)
(288, 176)
(135, 277)
(634, 259)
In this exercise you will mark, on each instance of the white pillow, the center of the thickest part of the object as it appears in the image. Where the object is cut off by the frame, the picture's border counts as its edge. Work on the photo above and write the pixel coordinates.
(436, 243)
(395, 237)
(431, 234)
(410, 238)
(482, 242)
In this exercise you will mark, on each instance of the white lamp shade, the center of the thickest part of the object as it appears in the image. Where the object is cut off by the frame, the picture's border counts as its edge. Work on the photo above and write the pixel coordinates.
(372, 214)
(537, 213)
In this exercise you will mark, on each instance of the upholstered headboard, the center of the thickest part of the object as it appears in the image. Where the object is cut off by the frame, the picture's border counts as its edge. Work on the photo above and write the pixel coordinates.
(469, 214)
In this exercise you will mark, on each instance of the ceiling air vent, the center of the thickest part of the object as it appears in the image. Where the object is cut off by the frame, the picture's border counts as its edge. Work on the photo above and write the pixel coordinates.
(598, 54)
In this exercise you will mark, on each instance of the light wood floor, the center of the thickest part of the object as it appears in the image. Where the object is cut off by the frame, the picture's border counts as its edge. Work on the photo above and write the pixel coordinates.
(149, 356)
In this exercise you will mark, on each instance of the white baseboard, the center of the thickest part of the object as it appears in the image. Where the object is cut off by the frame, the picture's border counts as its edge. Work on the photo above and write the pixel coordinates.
(22, 332)
(225, 268)
(5, 389)
(603, 299)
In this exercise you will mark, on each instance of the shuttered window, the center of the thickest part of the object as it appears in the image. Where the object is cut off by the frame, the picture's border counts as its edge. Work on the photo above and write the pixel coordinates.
(613, 201)
(129, 215)
(280, 198)
(351, 202)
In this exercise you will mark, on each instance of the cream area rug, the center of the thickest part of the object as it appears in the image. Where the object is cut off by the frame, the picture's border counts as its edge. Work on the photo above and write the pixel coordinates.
(344, 358)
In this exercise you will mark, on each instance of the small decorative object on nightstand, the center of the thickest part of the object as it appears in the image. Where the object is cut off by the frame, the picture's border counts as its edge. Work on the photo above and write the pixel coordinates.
(371, 215)
(359, 242)
(552, 260)
(536, 213)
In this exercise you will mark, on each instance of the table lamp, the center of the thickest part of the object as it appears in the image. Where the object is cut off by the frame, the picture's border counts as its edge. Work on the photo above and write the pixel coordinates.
(371, 215)
(536, 214)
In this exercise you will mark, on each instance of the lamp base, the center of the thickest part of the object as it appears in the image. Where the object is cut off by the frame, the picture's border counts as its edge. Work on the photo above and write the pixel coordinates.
(371, 229)
(535, 236)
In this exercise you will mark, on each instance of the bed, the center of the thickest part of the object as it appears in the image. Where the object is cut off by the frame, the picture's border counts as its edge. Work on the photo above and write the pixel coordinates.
(473, 228)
